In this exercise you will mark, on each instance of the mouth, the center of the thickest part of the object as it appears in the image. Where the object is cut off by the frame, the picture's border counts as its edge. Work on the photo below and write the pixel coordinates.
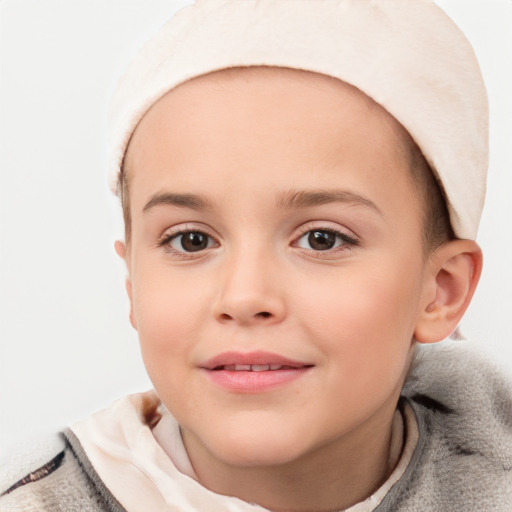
(253, 367)
(253, 372)
(258, 361)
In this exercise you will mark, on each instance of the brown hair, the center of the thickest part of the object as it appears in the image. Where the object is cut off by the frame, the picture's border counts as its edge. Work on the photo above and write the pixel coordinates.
(437, 228)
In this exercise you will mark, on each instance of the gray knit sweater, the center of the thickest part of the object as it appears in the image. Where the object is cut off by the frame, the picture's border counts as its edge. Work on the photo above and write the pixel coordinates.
(462, 462)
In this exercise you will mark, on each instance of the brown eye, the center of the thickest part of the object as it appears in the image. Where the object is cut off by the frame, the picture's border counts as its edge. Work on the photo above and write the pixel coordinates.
(322, 240)
(191, 241)
(325, 240)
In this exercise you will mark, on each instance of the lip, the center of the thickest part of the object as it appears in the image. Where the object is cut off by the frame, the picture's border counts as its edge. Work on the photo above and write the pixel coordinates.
(250, 358)
(220, 370)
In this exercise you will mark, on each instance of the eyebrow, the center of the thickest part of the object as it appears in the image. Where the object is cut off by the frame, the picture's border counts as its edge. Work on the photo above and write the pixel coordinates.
(309, 198)
(293, 199)
(193, 201)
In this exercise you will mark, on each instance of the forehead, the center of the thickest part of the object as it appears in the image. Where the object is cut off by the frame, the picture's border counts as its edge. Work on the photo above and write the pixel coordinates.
(255, 95)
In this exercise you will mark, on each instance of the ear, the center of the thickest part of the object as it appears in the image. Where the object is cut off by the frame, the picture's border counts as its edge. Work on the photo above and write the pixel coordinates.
(122, 252)
(453, 273)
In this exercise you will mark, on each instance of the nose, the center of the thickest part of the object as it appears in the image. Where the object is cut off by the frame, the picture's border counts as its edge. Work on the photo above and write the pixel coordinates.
(251, 292)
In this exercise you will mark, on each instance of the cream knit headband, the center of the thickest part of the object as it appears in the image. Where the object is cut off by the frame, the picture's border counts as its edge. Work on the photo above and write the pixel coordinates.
(405, 54)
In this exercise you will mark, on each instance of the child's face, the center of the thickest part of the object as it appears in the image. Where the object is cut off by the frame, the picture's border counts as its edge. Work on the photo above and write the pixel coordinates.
(304, 244)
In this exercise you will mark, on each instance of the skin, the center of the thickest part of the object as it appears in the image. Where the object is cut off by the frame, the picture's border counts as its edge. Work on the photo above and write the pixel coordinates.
(245, 143)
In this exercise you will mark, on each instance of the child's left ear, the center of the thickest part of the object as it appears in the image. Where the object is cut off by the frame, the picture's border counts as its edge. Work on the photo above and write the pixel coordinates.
(122, 252)
(454, 271)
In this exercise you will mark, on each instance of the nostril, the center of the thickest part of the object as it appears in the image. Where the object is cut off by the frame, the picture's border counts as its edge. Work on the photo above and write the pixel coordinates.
(262, 314)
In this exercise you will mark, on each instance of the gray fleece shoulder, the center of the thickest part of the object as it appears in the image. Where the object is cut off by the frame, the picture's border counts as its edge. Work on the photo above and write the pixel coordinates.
(65, 483)
(463, 461)
(27, 455)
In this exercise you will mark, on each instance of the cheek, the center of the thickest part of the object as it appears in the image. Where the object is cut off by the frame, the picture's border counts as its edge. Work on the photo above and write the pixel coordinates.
(169, 315)
(365, 322)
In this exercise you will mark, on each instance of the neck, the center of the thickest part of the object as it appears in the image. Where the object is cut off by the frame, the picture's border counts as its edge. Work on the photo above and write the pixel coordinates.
(334, 476)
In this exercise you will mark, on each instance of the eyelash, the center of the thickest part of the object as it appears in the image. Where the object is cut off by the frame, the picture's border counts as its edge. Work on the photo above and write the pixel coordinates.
(347, 241)
(166, 240)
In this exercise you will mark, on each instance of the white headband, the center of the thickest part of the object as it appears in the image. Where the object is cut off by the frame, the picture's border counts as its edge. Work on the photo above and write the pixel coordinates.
(405, 54)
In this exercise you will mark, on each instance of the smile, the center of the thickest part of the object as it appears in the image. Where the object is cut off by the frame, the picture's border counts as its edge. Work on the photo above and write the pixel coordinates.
(254, 372)
(252, 367)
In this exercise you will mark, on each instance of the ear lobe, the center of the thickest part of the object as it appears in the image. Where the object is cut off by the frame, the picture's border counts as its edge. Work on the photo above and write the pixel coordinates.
(128, 285)
(121, 251)
(455, 270)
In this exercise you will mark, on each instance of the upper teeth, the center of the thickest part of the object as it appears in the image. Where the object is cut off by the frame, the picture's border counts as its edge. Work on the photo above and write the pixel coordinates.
(252, 367)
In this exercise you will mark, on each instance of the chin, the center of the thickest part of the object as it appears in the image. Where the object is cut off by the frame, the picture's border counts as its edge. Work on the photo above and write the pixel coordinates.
(256, 444)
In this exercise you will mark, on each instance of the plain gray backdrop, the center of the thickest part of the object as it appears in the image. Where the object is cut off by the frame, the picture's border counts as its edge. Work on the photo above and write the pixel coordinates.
(66, 346)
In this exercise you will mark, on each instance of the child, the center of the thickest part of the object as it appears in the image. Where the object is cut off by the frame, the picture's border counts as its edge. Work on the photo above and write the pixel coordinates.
(301, 187)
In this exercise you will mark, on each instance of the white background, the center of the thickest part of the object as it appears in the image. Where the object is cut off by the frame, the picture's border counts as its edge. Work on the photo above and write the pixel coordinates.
(66, 347)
